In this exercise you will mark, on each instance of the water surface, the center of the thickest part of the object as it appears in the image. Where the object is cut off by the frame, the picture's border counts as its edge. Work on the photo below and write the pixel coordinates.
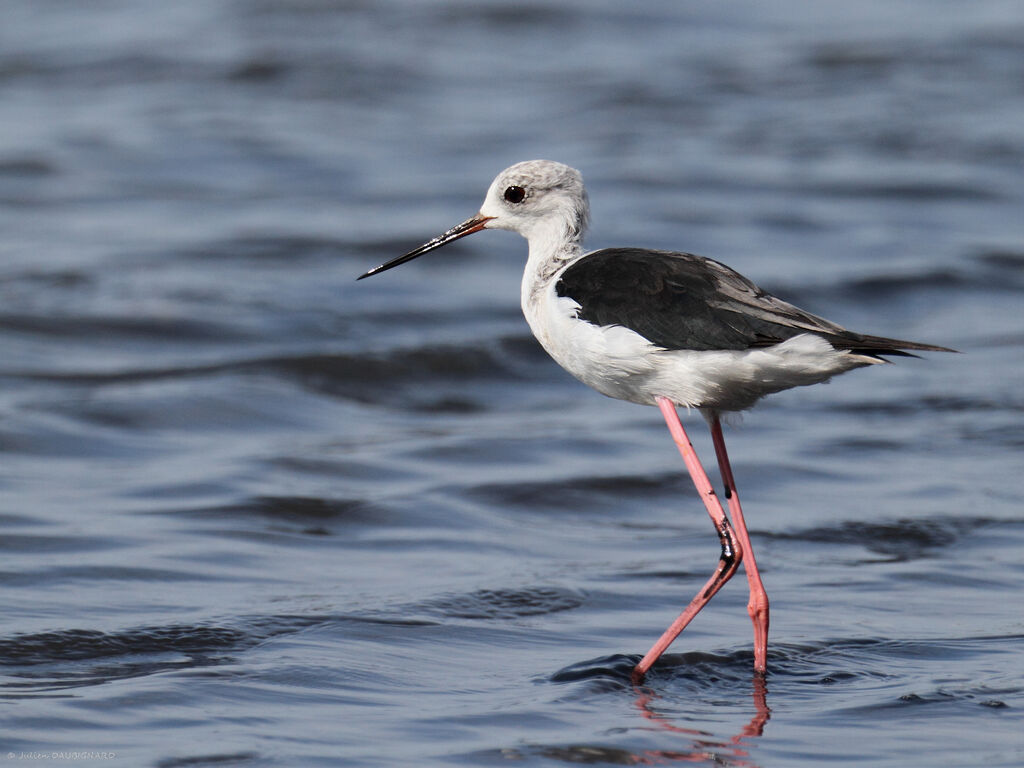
(255, 513)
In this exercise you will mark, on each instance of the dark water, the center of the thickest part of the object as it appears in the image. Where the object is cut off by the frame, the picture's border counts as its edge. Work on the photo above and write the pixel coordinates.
(255, 513)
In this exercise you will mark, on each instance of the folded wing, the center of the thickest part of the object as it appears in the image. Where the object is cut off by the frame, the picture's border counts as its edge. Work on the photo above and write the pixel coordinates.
(683, 301)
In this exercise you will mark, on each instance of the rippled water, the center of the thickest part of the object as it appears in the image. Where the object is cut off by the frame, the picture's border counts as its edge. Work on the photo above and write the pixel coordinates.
(255, 513)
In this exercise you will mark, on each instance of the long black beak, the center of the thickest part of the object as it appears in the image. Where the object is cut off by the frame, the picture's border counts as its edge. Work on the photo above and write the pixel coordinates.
(468, 227)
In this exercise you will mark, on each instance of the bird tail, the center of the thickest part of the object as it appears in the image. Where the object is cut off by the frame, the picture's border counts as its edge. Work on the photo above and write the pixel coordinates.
(876, 346)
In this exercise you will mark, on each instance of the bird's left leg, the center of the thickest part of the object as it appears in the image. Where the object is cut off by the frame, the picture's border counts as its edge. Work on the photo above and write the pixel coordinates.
(732, 550)
(758, 605)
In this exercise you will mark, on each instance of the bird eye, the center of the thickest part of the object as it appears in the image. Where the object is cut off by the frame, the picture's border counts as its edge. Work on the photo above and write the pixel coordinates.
(515, 194)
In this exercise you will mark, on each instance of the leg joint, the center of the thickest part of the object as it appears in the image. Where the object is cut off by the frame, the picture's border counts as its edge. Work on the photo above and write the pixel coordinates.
(728, 561)
(732, 552)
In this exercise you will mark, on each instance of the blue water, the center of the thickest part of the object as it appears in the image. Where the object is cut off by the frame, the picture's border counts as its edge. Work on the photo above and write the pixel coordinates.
(255, 513)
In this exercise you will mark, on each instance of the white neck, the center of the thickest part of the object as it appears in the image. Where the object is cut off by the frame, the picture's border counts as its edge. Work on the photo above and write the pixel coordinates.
(553, 242)
(548, 256)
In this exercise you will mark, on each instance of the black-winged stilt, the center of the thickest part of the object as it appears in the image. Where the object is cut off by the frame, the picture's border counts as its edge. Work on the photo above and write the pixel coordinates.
(666, 329)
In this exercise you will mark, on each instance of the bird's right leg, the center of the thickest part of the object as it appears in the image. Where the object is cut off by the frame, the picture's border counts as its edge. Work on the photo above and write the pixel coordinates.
(731, 555)
(758, 605)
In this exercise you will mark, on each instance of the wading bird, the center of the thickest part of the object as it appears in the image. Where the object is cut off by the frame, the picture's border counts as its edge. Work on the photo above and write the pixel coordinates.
(666, 329)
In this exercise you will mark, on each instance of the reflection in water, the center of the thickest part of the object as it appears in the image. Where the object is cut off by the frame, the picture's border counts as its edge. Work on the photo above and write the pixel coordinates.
(703, 745)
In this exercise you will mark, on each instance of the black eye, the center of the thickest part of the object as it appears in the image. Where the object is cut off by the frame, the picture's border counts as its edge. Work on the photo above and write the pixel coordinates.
(515, 194)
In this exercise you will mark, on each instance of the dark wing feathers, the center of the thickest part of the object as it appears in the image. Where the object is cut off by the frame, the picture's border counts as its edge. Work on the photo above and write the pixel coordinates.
(682, 301)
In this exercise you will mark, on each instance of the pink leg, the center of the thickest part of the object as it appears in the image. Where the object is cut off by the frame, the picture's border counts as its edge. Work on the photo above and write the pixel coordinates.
(758, 605)
(732, 551)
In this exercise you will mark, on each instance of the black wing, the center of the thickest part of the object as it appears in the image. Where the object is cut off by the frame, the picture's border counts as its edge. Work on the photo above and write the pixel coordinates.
(682, 301)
